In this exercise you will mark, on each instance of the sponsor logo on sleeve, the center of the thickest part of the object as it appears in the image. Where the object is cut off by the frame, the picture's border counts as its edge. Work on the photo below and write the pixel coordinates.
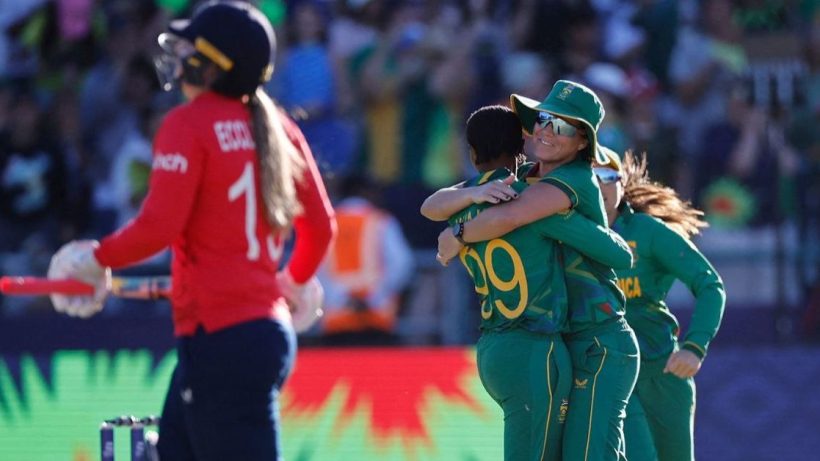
(173, 163)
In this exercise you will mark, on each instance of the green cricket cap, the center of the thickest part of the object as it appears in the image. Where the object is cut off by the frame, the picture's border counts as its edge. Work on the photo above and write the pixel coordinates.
(570, 100)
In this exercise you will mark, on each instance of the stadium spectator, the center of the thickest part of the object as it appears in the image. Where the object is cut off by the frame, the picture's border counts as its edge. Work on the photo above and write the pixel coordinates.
(366, 270)
(749, 147)
(611, 84)
(706, 62)
(306, 85)
(32, 175)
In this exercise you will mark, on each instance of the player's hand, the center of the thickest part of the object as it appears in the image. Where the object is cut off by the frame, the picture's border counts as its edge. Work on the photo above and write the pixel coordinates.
(448, 247)
(305, 300)
(75, 260)
(496, 191)
(683, 364)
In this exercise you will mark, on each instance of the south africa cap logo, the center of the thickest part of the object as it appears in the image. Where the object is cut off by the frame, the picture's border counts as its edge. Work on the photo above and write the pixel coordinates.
(566, 91)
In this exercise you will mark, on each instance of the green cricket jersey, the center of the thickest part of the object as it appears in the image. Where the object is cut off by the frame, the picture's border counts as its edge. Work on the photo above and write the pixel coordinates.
(592, 287)
(661, 256)
(519, 276)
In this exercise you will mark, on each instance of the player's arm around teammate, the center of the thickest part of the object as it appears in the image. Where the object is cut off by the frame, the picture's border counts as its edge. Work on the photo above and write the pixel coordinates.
(659, 226)
(522, 361)
(563, 139)
(564, 129)
(571, 228)
(447, 201)
(603, 347)
(231, 176)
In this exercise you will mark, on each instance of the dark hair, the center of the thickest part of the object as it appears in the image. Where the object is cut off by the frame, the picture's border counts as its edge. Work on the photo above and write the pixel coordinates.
(280, 165)
(655, 199)
(493, 132)
(319, 8)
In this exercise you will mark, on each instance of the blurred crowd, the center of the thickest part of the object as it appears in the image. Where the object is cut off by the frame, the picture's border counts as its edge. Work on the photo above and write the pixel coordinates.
(723, 95)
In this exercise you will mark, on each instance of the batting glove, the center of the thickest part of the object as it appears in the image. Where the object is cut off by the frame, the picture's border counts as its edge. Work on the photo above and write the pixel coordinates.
(75, 260)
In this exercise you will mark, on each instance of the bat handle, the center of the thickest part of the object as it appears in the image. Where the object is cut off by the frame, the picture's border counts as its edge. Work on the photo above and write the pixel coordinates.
(154, 287)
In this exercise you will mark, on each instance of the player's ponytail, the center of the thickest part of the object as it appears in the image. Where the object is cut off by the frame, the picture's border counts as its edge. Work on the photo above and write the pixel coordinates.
(280, 165)
(655, 199)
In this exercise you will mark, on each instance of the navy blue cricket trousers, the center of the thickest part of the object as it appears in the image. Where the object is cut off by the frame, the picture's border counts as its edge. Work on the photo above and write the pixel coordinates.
(222, 403)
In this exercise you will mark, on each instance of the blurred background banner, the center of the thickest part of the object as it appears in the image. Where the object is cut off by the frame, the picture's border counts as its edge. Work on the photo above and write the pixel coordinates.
(383, 403)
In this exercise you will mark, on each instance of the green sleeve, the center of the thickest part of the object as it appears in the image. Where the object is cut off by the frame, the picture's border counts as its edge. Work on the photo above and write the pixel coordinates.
(578, 183)
(472, 211)
(593, 241)
(681, 258)
(565, 187)
(461, 216)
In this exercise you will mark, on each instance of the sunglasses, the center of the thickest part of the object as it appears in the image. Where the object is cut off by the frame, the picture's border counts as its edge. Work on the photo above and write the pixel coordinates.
(560, 126)
(606, 175)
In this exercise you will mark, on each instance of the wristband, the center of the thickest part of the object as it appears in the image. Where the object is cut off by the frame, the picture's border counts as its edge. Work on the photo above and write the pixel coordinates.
(694, 348)
(458, 233)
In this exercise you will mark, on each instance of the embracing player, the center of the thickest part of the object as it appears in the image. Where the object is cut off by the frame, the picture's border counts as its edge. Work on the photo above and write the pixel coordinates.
(522, 360)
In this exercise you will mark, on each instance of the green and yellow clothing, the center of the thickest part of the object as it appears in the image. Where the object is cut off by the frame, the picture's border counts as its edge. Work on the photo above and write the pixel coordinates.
(410, 134)
(660, 415)
(605, 365)
(593, 291)
(602, 346)
(522, 360)
(661, 256)
(529, 376)
(519, 276)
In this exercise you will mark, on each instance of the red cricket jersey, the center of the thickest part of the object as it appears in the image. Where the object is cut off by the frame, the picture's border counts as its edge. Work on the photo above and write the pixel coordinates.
(204, 201)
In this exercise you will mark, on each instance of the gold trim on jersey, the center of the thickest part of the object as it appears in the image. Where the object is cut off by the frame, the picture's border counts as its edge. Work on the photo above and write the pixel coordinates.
(485, 177)
(549, 407)
(592, 399)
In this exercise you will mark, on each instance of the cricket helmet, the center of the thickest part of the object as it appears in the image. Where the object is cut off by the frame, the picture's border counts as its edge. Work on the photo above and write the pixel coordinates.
(234, 36)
